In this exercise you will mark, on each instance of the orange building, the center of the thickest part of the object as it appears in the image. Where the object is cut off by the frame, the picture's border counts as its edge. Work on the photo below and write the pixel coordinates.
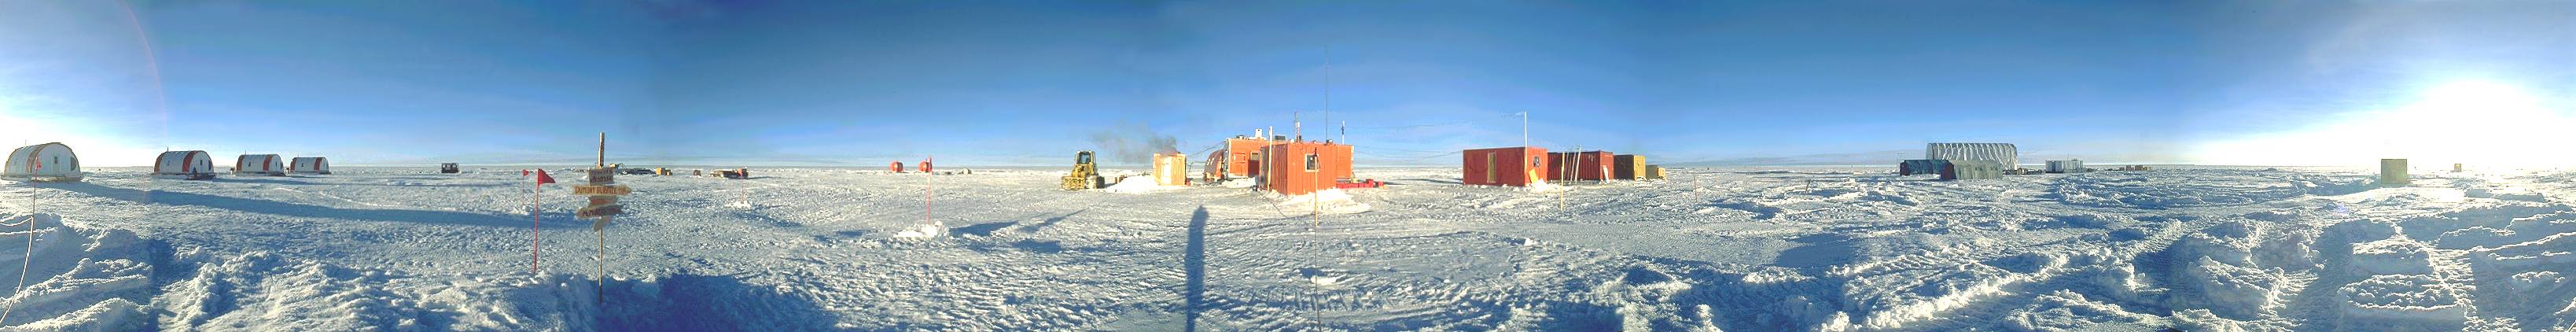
(1239, 159)
(1512, 166)
(1298, 168)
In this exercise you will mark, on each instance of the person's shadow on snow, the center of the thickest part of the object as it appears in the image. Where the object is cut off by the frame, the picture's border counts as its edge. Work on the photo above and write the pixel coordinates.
(1194, 265)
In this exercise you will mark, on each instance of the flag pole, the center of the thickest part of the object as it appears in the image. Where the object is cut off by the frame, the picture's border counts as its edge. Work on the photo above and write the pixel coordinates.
(599, 292)
(535, 224)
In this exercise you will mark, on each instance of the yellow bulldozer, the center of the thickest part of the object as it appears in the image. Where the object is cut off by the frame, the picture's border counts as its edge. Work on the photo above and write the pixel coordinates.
(1085, 175)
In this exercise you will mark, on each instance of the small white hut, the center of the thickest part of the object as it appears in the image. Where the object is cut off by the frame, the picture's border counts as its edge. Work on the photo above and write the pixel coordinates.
(43, 162)
(259, 164)
(189, 165)
(311, 165)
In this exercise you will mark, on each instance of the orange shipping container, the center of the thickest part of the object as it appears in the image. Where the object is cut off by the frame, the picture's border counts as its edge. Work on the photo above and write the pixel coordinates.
(1513, 166)
(1298, 168)
(1239, 159)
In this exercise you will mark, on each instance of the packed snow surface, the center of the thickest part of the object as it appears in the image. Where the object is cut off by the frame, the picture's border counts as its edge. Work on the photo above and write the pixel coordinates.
(1737, 249)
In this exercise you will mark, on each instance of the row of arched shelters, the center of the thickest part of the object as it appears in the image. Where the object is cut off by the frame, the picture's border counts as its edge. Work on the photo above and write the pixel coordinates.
(57, 162)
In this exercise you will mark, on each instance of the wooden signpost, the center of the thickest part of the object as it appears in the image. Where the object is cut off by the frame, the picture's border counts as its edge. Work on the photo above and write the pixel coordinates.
(603, 191)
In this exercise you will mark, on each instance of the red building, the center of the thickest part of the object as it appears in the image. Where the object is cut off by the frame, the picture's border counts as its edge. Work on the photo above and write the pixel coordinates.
(1586, 165)
(1513, 166)
(1298, 168)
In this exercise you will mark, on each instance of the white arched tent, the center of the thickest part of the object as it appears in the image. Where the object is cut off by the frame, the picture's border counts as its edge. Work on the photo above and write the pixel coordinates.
(43, 162)
(259, 164)
(191, 165)
(311, 165)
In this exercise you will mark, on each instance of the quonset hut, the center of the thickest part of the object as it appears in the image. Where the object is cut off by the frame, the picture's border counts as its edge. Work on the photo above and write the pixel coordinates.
(43, 162)
(2000, 153)
(311, 165)
(188, 165)
(259, 164)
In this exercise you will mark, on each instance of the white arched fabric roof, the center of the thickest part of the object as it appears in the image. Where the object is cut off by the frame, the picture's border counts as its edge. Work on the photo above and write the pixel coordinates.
(312, 165)
(259, 164)
(183, 163)
(49, 159)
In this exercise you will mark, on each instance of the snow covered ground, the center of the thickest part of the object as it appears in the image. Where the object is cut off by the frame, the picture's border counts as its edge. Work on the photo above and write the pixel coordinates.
(1740, 249)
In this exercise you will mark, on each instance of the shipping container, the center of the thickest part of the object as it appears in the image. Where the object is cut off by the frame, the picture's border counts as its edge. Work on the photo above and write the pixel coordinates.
(1971, 170)
(1298, 168)
(1653, 172)
(1627, 166)
(1920, 166)
(1239, 158)
(2392, 172)
(2000, 153)
(1514, 166)
(1586, 165)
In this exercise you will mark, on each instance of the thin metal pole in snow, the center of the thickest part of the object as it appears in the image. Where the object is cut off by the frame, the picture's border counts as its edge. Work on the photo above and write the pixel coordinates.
(925, 195)
(535, 223)
(599, 288)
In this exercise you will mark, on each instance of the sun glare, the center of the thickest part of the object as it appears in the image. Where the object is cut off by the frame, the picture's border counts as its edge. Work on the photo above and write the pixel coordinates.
(2480, 123)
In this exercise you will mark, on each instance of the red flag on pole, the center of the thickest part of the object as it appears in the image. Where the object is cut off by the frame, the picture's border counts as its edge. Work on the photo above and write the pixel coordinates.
(535, 221)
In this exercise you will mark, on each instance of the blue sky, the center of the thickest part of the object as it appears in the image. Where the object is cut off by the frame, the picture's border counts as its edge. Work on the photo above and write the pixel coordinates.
(1026, 83)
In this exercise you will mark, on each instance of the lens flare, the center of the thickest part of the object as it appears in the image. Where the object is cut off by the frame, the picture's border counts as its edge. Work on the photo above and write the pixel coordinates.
(2472, 122)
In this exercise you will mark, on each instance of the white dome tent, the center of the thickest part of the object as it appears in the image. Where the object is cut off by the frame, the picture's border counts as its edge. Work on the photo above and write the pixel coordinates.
(312, 165)
(259, 164)
(190, 165)
(43, 162)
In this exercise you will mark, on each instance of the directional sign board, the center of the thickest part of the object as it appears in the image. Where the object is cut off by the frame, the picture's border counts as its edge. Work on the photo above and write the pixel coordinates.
(607, 190)
(596, 211)
(603, 191)
(603, 176)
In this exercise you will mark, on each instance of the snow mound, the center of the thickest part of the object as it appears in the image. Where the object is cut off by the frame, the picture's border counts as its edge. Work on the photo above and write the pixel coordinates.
(1327, 201)
(260, 289)
(1544, 187)
(1139, 185)
(79, 279)
(2397, 255)
(2419, 300)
